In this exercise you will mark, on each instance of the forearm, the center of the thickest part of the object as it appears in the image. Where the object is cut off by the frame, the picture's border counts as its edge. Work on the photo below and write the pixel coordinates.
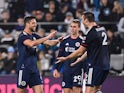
(31, 43)
(51, 42)
(73, 55)
(77, 53)
(80, 59)
(39, 41)
(84, 56)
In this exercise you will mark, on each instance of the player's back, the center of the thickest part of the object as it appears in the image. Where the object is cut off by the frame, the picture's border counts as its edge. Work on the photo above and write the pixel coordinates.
(98, 55)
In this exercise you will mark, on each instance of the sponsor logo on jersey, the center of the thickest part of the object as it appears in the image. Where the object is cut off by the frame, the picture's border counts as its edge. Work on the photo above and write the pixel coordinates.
(69, 49)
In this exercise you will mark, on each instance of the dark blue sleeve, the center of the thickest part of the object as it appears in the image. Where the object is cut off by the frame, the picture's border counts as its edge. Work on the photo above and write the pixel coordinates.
(36, 36)
(23, 38)
(60, 54)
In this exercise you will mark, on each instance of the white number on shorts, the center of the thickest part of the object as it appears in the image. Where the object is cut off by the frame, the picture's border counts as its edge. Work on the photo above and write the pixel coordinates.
(77, 79)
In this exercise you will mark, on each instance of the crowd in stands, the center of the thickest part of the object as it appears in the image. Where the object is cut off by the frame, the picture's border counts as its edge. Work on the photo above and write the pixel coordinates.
(109, 13)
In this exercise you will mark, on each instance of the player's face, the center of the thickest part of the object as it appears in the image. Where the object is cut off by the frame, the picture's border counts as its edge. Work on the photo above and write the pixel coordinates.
(74, 27)
(33, 25)
(84, 21)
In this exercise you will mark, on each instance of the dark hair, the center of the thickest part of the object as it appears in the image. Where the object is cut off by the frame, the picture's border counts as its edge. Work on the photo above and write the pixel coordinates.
(89, 16)
(76, 21)
(5, 11)
(28, 19)
(80, 11)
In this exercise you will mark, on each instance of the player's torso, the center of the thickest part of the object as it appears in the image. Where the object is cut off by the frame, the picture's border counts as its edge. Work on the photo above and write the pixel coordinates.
(98, 55)
(27, 55)
(71, 45)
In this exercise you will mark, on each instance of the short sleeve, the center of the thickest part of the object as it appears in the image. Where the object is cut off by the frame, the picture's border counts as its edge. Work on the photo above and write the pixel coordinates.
(23, 38)
(36, 36)
(89, 38)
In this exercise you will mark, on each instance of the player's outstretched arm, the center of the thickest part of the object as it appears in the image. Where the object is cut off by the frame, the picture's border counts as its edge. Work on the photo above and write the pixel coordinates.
(53, 42)
(32, 43)
(80, 59)
(75, 54)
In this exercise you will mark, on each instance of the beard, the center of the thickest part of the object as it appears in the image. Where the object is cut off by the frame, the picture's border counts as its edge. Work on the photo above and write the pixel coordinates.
(73, 32)
(33, 29)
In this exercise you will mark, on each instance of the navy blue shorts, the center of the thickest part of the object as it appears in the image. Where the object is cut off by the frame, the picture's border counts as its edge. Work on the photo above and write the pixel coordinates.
(72, 79)
(27, 77)
(95, 76)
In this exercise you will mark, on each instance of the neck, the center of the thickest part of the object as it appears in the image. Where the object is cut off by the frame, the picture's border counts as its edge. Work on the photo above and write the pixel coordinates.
(91, 24)
(28, 31)
(74, 36)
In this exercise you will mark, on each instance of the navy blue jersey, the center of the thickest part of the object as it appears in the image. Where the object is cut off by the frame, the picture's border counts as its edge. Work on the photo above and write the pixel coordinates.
(67, 46)
(27, 55)
(96, 42)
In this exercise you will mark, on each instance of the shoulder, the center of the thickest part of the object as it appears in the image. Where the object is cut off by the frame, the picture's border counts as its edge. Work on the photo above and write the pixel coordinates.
(66, 37)
(82, 37)
(36, 36)
(100, 29)
(22, 35)
(94, 30)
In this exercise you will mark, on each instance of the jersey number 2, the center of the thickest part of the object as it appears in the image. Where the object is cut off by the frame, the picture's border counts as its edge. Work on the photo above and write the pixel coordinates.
(104, 42)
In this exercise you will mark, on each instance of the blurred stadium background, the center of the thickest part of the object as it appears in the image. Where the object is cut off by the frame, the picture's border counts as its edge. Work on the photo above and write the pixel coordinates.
(56, 15)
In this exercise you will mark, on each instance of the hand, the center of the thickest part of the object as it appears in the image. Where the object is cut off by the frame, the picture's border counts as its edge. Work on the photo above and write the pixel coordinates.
(60, 38)
(56, 74)
(60, 59)
(52, 34)
(72, 64)
(77, 61)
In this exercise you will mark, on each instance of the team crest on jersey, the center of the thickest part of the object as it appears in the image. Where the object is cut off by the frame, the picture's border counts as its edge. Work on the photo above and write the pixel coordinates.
(77, 44)
(34, 38)
(67, 44)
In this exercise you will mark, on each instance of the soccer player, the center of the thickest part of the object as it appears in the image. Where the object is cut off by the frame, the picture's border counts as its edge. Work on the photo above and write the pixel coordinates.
(27, 70)
(72, 76)
(96, 44)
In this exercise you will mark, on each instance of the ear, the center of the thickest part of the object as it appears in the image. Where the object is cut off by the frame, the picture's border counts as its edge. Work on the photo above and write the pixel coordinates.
(27, 23)
(86, 21)
(79, 28)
